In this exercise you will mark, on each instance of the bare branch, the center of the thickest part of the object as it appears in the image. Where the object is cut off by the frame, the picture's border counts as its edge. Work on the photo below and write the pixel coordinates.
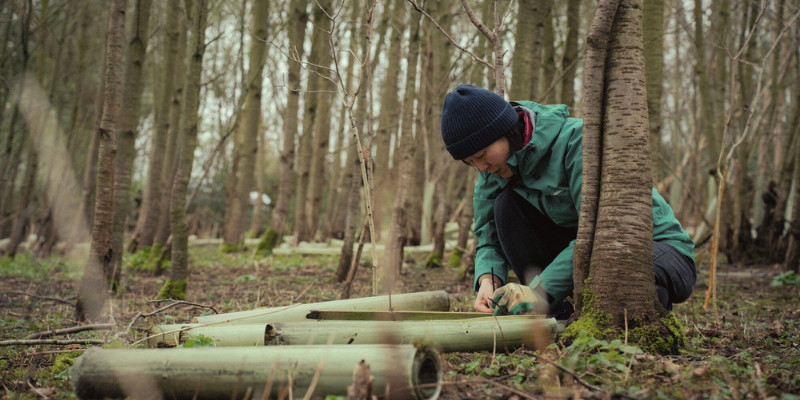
(74, 329)
(36, 342)
(476, 58)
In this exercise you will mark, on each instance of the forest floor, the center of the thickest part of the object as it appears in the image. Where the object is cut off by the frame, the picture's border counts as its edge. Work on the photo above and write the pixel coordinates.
(752, 352)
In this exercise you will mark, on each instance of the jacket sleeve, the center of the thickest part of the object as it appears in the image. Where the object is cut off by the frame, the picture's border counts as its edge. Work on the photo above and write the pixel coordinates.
(556, 279)
(489, 256)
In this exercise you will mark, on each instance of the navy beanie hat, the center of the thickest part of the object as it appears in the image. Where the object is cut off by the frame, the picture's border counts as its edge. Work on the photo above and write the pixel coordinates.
(473, 118)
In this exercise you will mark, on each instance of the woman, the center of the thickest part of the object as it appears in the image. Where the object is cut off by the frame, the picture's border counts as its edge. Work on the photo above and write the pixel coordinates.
(527, 203)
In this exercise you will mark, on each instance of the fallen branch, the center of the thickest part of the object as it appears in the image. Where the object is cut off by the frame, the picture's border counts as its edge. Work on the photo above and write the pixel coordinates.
(74, 329)
(168, 306)
(59, 342)
(60, 300)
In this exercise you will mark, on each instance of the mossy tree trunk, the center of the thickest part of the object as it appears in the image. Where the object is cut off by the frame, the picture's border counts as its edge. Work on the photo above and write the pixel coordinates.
(617, 186)
(175, 287)
(133, 85)
(92, 289)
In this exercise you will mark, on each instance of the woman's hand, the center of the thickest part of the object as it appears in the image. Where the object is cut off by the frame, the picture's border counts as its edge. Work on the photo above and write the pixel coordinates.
(486, 288)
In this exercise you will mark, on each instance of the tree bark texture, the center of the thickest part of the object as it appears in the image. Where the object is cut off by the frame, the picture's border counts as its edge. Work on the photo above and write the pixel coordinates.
(593, 110)
(248, 130)
(623, 237)
(133, 84)
(94, 281)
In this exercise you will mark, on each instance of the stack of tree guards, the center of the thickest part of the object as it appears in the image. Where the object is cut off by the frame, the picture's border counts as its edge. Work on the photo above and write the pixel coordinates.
(398, 337)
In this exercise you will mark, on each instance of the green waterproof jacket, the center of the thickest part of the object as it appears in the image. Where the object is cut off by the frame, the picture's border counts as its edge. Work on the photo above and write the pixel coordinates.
(550, 168)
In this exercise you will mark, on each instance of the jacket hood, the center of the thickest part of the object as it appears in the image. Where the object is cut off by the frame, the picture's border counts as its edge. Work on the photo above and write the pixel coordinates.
(549, 120)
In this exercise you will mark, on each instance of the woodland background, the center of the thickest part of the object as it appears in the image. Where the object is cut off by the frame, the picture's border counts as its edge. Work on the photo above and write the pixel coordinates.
(216, 104)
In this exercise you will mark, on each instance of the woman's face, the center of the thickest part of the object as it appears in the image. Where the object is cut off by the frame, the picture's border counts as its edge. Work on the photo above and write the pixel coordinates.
(493, 159)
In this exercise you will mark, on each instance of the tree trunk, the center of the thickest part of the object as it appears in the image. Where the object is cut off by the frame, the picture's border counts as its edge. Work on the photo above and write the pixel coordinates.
(319, 45)
(176, 286)
(793, 248)
(154, 200)
(257, 221)
(618, 128)
(548, 92)
(464, 225)
(92, 289)
(175, 127)
(25, 207)
(393, 254)
(322, 127)
(526, 60)
(126, 132)
(280, 214)
(568, 62)
(248, 132)
(653, 22)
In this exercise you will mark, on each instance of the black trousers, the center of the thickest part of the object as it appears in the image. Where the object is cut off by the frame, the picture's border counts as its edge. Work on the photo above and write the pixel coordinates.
(531, 241)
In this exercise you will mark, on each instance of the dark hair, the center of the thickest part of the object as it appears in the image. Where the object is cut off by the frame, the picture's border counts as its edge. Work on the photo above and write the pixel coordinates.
(516, 136)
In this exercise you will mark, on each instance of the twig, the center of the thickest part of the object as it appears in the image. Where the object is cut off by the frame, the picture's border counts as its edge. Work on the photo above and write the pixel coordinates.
(34, 342)
(60, 300)
(75, 329)
(306, 289)
(476, 58)
(168, 306)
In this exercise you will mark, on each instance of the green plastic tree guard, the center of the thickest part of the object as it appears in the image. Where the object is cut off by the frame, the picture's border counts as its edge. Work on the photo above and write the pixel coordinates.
(238, 372)
(421, 301)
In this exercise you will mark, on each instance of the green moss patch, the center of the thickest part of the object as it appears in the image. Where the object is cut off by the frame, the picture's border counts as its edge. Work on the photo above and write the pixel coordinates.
(175, 290)
(434, 260)
(267, 243)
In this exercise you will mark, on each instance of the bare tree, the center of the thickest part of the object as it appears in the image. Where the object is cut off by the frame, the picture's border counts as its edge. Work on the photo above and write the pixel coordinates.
(175, 287)
(248, 131)
(126, 133)
(99, 268)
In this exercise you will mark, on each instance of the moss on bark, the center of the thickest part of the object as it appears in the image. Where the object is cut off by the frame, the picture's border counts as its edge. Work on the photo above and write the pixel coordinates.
(663, 335)
(151, 263)
(175, 290)
(455, 259)
(228, 248)
(434, 260)
(267, 243)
